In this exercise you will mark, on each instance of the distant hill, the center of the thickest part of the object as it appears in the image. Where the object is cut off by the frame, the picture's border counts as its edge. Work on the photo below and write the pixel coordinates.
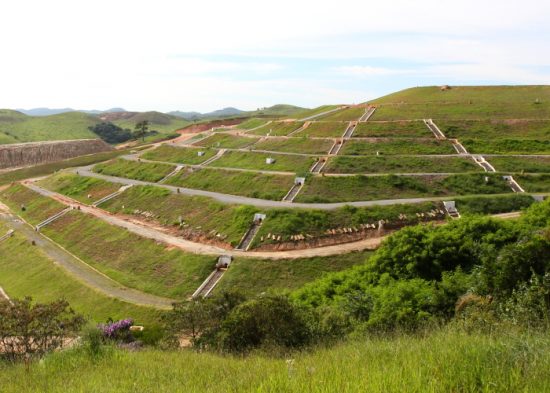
(275, 110)
(161, 122)
(49, 111)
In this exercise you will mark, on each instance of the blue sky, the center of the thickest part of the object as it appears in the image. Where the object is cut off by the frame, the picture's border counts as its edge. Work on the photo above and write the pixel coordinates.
(173, 55)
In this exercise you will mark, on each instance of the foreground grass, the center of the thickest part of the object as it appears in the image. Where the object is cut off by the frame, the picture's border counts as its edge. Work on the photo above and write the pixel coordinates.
(26, 271)
(443, 361)
(84, 189)
(33, 207)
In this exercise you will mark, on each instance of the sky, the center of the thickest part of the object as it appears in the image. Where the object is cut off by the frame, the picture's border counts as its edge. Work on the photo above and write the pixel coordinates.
(205, 55)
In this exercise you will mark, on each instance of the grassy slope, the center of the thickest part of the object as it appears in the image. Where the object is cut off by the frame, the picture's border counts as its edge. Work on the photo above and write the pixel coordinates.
(397, 146)
(480, 102)
(79, 187)
(314, 111)
(37, 207)
(273, 187)
(226, 141)
(295, 145)
(133, 261)
(144, 171)
(389, 164)
(521, 164)
(251, 123)
(493, 129)
(534, 183)
(72, 125)
(398, 129)
(357, 188)
(26, 271)
(325, 129)
(181, 155)
(281, 128)
(443, 361)
(254, 276)
(507, 146)
(160, 122)
(348, 114)
(253, 160)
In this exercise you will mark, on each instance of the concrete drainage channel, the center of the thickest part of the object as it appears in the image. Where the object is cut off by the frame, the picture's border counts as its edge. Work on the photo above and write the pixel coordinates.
(113, 195)
(349, 131)
(335, 148)
(291, 194)
(212, 280)
(7, 235)
(368, 114)
(212, 159)
(319, 165)
(246, 240)
(52, 219)
(171, 174)
(435, 129)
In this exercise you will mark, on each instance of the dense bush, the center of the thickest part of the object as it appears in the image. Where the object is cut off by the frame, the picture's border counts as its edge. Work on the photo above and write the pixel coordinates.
(111, 133)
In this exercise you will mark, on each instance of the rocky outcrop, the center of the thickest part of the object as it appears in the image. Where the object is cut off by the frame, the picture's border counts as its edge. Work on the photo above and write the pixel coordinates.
(34, 153)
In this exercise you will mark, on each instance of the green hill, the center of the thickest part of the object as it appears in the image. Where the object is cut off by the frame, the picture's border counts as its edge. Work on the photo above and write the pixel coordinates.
(465, 102)
(16, 127)
(158, 121)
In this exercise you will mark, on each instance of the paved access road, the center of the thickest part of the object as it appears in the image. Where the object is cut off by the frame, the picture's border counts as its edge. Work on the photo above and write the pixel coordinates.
(81, 270)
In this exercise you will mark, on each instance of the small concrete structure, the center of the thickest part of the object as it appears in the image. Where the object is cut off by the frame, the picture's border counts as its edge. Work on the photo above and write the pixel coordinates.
(451, 208)
(269, 160)
(299, 181)
(200, 153)
(539, 198)
(259, 217)
(224, 261)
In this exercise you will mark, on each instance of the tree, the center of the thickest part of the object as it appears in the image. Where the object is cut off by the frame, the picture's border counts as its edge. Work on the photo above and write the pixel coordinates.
(30, 330)
(141, 128)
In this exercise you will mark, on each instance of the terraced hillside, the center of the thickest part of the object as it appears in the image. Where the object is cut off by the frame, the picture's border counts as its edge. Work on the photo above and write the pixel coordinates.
(285, 196)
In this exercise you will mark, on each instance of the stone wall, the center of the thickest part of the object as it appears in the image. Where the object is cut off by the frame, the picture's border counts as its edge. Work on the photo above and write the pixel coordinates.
(27, 154)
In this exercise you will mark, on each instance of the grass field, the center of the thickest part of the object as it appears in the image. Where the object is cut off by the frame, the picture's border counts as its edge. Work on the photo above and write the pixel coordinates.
(129, 259)
(493, 129)
(79, 187)
(251, 123)
(21, 128)
(507, 146)
(295, 145)
(278, 128)
(325, 129)
(161, 122)
(357, 188)
(534, 183)
(26, 271)
(145, 171)
(397, 129)
(348, 114)
(180, 155)
(26, 203)
(397, 146)
(409, 164)
(273, 187)
(254, 160)
(481, 102)
(254, 276)
(200, 214)
(46, 169)
(226, 141)
(521, 164)
(439, 362)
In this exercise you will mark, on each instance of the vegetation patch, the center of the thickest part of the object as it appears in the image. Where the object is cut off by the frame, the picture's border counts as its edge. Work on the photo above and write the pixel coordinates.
(348, 114)
(167, 153)
(278, 128)
(254, 276)
(409, 164)
(521, 164)
(397, 146)
(30, 205)
(84, 189)
(258, 161)
(226, 141)
(249, 184)
(251, 123)
(129, 259)
(326, 189)
(507, 146)
(194, 215)
(496, 129)
(534, 183)
(302, 145)
(394, 129)
(315, 111)
(493, 204)
(325, 129)
(144, 171)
